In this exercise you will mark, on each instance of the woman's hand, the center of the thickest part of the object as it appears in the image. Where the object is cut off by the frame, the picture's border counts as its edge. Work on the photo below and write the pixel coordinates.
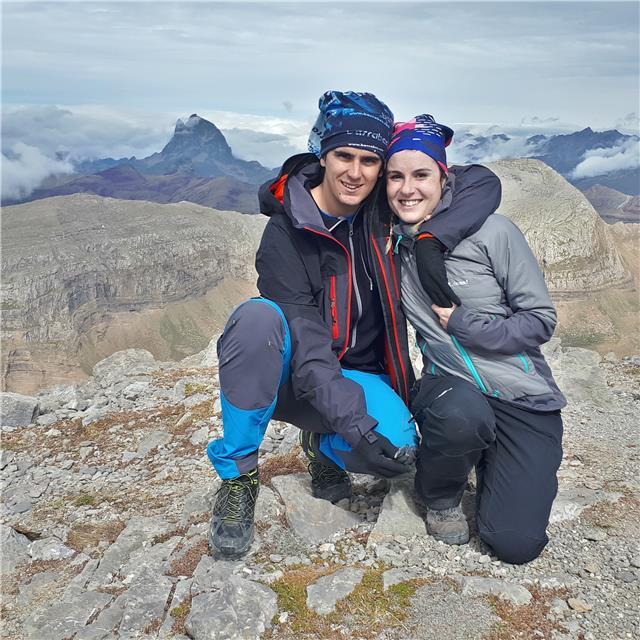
(444, 313)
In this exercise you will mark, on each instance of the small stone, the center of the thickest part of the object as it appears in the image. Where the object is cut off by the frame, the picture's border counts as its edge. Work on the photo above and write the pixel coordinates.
(484, 559)
(275, 557)
(592, 567)
(200, 436)
(49, 549)
(579, 605)
(17, 410)
(152, 441)
(184, 420)
(597, 535)
(635, 562)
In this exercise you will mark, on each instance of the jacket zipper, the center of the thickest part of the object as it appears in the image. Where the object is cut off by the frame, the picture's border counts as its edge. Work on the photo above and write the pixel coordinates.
(469, 362)
(355, 287)
(525, 364)
(348, 330)
(393, 321)
(335, 323)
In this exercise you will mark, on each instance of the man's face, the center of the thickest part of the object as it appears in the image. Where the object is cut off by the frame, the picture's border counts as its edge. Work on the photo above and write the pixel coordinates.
(350, 175)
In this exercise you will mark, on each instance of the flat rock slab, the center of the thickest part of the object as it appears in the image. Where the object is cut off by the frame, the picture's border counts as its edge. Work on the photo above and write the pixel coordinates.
(480, 586)
(572, 501)
(326, 592)
(152, 441)
(311, 519)
(437, 611)
(15, 548)
(399, 515)
(64, 619)
(17, 410)
(240, 610)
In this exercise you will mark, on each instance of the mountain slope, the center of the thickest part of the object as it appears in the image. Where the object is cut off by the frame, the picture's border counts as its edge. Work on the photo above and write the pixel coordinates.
(197, 148)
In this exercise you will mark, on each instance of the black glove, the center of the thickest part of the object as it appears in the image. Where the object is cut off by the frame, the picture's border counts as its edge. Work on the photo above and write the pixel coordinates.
(374, 454)
(432, 273)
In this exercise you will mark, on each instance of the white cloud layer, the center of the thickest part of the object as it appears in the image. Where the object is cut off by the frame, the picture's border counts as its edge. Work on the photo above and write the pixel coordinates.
(24, 167)
(600, 161)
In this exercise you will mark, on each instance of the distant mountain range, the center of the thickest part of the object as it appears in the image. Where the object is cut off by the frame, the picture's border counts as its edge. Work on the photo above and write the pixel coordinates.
(197, 165)
(564, 152)
(197, 148)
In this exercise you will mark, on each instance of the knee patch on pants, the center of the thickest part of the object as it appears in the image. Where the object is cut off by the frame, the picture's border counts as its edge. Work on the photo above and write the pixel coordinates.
(457, 420)
(514, 547)
(253, 354)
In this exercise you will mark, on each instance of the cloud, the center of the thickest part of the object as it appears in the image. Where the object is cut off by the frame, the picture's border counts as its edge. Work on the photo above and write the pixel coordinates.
(24, 167)
(89, 132)
(85, 132)
(601, 161)
(629, 123)
(269, 149)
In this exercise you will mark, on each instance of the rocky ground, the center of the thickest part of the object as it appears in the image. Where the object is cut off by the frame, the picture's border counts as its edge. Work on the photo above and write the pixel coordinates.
(106, 500)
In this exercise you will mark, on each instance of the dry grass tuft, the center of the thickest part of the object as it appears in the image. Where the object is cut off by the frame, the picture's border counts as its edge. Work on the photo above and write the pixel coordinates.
(89, 535)
(281, 465)
(187, 563)
(619, 518)
(529, 620)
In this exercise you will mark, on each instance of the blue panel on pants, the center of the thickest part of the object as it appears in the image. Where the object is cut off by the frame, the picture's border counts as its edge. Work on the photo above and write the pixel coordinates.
(237, 451)
(383, 404)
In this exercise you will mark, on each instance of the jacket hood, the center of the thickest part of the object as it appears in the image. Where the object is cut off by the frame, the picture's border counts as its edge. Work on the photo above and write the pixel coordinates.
(274, 197)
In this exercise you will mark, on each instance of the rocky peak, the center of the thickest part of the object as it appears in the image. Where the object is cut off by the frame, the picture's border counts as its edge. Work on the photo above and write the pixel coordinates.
(198, 135)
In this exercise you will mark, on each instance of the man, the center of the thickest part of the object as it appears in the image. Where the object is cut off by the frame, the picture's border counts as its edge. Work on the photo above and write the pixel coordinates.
(325, 346)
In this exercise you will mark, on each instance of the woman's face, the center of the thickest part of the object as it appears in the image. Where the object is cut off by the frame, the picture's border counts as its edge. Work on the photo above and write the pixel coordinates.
(414, 185)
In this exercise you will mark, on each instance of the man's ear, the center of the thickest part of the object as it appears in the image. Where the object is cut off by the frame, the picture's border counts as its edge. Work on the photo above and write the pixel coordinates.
(322, 162)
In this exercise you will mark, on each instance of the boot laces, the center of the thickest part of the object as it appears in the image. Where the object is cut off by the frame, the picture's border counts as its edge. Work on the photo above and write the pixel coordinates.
(239, 498)
(325, 474)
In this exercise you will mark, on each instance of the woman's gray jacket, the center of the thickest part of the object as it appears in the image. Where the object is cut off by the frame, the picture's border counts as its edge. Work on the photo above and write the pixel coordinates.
(493, 339)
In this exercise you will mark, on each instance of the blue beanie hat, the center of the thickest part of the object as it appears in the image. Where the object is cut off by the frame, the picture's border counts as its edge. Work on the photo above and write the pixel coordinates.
(424, 134)
(351, 119)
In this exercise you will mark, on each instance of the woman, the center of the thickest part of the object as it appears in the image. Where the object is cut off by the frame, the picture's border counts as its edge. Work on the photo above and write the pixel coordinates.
(487, 398)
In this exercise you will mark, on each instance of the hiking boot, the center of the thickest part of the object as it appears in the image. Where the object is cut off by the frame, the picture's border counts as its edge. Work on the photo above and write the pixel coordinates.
(448, 525)
(231, 530)
(328, 480)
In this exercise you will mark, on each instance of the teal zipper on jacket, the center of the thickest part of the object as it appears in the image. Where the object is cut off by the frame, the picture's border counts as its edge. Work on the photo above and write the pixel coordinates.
(469, 362)
(524, 362)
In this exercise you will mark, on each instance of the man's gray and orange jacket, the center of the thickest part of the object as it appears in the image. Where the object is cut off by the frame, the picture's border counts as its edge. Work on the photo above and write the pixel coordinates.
(310, 273)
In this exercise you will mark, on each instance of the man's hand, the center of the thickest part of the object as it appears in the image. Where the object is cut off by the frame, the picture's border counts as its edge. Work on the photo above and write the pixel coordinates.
(444, 313)
(432, 272)
(374, 454)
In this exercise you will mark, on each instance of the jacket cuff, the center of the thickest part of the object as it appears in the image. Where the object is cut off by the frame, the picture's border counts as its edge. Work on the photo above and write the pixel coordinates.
(355, 434)
(455, 320)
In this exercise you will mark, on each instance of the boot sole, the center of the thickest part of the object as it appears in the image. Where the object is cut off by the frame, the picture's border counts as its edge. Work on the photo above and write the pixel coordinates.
(230, 550)
(452, 539)
(332, 496)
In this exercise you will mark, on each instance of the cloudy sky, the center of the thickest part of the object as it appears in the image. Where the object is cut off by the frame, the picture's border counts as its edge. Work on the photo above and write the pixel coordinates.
(98, 79)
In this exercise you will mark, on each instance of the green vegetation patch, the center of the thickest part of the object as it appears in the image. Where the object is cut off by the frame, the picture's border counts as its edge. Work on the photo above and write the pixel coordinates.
(368, 609)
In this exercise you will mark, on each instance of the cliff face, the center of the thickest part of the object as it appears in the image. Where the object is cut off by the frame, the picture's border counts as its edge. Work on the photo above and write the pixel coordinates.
(78, 268)
(573, 245)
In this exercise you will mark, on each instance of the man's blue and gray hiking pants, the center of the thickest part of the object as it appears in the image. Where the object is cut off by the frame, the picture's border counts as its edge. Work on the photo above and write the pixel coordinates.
(254, 354)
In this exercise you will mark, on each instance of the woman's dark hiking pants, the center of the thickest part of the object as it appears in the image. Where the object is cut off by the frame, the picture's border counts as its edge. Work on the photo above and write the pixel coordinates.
(516, 454)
